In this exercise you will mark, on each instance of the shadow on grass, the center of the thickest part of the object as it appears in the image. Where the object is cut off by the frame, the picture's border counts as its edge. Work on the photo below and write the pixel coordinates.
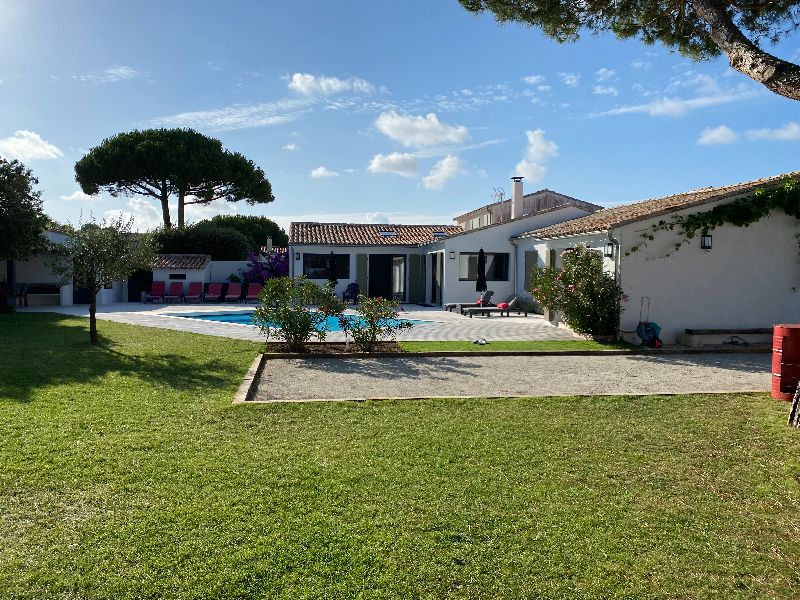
(37, 351)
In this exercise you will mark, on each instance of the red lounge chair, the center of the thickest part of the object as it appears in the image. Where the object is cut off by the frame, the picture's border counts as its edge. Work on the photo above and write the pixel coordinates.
(234, 292)
(156, 292)
(214, 293)
(195, 292)
(253, 291)
(175, 291)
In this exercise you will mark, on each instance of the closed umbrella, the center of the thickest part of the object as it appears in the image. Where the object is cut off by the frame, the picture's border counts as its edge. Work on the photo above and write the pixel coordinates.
(332, 269)
(480, 282)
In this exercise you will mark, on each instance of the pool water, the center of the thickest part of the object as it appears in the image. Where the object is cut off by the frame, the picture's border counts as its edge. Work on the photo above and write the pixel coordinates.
(246, 318)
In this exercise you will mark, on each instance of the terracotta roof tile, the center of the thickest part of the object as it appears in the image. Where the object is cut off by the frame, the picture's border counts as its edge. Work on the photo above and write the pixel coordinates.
(366, 234)
(617, 216)
(181, 261)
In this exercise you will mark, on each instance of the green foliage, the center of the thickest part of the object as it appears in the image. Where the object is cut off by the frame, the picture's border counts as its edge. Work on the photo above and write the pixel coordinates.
(286, 314)
(741, 212)
(22, 219)
(256, 229)
(379, 321)
(587, 297)
(99, 254)
(162, 162)
(221, 243)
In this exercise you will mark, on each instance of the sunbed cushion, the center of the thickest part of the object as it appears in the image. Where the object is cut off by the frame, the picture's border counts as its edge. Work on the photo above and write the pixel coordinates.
(503, 305)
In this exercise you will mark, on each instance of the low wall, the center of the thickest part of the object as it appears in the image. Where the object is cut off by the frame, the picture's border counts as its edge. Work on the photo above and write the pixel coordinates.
(221, 270)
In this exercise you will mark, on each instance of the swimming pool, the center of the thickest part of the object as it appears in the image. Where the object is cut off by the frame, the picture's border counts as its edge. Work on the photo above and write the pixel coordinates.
(246, 318)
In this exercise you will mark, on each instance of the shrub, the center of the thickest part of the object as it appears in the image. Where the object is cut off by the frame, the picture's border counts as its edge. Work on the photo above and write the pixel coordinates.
(587, 297)
(256, 230)
(377, 319)
(275, 264)
(285, 311)
(222, 243)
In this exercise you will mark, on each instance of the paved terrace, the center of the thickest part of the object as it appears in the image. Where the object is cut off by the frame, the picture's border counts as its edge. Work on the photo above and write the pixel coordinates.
(443, 325)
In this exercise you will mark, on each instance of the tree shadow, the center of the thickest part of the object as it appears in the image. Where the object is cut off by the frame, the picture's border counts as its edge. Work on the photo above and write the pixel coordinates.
(437, 368)
(743, 362)
(51, 349)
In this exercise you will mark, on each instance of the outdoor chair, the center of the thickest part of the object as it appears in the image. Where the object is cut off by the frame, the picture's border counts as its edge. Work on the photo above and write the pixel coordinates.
(253, 292)
(351, 293)
(234, 292)
(175, 292)
(214, 293)
(195, 292)
(485, 299)
(156, 292)
(504, 309)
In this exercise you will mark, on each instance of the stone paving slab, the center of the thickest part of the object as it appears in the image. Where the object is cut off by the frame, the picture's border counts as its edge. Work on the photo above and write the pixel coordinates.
(442, 325)
(286, 380)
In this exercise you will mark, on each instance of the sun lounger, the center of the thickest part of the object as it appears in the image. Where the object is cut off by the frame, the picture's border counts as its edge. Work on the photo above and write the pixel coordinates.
(195, 292)
(214, 293)
(253, 292)
(503, 309)
(234, 292)
(175, 292)
(156, 292)
(485, 299)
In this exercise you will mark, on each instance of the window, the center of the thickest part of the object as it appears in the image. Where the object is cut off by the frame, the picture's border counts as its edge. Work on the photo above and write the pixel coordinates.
(177, 276)
(496, 266)
(388, 234)
(315, 266)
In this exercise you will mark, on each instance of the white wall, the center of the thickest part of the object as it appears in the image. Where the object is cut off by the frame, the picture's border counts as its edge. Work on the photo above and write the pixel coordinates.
(192, 275)
(750, 277)
(35, 270)
(222, 269)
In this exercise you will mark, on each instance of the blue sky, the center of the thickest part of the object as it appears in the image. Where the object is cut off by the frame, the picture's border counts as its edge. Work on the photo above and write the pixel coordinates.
(408, 111)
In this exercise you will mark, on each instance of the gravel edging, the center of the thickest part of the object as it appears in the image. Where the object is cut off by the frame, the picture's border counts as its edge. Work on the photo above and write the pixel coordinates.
(247, 388)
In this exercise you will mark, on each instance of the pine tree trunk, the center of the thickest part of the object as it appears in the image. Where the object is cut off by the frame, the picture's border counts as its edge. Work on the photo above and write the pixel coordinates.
(779, 76)
(165, 205)
(93, 317)
(181, 207)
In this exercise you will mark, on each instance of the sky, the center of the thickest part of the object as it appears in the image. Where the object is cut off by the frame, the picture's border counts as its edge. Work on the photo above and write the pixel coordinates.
(404, 111)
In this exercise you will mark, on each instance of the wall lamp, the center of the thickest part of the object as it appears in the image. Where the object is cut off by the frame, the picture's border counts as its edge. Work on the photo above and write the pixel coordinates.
(705, 242)
(609, 253)
(297, 256)
(452, 255)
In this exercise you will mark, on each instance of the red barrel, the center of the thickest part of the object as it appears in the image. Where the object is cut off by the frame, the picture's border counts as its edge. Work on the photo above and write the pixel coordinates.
(785, 361)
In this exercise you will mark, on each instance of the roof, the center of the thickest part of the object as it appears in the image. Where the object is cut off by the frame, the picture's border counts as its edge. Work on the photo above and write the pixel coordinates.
(366, 234)
(182, 261)
(617, 216)
(523, 217)
(568, 199)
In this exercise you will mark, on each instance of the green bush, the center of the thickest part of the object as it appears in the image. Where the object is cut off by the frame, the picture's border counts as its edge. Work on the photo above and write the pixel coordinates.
(285, 312)
(222, 243)
(257, 230)
(587, 297)
(377, 320)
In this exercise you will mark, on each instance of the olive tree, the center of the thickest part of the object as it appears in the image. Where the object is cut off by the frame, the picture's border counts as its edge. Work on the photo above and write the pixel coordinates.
(98, 254)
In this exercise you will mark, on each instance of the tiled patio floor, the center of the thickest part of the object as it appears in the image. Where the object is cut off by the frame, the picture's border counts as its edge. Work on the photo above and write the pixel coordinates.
(444, 325)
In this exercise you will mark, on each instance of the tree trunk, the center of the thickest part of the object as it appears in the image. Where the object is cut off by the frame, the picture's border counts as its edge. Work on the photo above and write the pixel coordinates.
(181, 207)
(165, 205)
(779, 76)
(93, 316)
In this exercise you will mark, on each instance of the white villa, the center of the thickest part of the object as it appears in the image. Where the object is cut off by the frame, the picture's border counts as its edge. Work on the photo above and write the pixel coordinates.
(748, 277)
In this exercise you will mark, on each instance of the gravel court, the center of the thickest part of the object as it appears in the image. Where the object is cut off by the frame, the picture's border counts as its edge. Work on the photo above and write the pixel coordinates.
(293, 380)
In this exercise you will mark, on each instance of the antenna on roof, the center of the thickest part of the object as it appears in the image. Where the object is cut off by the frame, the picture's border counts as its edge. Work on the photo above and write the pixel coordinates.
(498, 195)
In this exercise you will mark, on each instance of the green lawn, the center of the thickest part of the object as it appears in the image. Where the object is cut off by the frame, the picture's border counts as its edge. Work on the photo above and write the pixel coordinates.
(517, 346)
(125, 471)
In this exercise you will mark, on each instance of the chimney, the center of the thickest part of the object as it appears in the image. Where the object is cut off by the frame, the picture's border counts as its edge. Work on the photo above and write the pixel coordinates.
(516, 198)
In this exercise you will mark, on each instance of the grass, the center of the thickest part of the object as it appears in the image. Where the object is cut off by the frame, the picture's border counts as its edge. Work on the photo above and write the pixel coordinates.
(125, 471)
(517, 346)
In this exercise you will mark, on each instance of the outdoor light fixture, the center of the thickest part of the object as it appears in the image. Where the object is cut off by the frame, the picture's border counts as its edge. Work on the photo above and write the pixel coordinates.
(610, 250)
(452, 255)
(297, 256)
(705, 242)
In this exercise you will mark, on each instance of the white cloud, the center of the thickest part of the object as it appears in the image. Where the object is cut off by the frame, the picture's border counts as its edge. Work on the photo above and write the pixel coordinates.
(570, 79)
(443, 171)
(147, 215)
(81, 196)
(323, 172)
(671, 107)
(399, 163)
(239, 116)
(419, 131)
(28, 145)
(544, 88)
(313, 85)
(788, 132)
(641, 64)
(604, 74)
(605, 90)
(538, 152)
(711, 136)
(110, 75)
(533, 79)
(291, 147)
